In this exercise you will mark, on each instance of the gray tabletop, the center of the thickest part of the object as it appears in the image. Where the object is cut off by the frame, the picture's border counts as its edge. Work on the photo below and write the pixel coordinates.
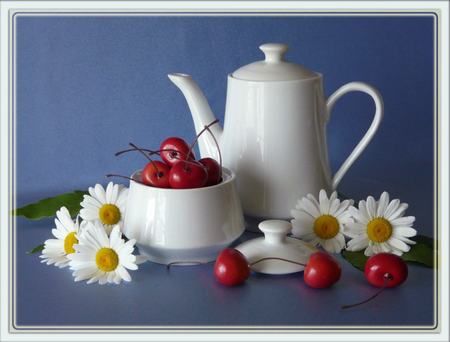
(189, 297)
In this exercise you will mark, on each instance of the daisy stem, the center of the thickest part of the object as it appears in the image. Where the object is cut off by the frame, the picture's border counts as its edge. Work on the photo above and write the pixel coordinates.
(186, 263)
(199, 134)
(387, 278)
(275, 258)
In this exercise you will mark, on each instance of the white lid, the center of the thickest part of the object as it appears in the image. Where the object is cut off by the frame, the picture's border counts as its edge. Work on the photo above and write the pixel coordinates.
(275, 243)
(273, 68)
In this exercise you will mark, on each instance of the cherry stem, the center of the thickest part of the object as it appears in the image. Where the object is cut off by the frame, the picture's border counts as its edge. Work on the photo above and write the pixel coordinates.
(387, 277)
(163, 150)
(199, 134)
(140, 150)
(114, 175)
(275, 258)
(151, 152)
(150, 159)
(218, 148)
(134, 149)
(186, 263)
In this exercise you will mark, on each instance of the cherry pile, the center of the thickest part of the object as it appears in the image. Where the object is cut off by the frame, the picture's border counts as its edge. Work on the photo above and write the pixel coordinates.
(178, 168)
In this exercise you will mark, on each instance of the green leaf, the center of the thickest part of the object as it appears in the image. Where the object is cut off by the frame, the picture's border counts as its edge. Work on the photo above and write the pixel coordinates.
(48, 207)
(357, 259)
(421, 252)
(36, 249)
(424, 239)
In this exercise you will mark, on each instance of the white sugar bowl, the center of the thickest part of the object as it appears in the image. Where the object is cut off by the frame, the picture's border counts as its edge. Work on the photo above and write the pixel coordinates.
(183, 224)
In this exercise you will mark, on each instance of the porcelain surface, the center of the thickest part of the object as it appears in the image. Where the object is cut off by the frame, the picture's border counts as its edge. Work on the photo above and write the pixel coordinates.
(183, 224)
(275, 243)
(274, 135)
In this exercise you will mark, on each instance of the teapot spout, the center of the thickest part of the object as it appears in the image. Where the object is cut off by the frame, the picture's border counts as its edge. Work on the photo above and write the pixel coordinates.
(201, 114)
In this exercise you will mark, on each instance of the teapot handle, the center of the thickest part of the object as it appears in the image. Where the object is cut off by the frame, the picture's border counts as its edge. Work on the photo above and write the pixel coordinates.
(379, 107)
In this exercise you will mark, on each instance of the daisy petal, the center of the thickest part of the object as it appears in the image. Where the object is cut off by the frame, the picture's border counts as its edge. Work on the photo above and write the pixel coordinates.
(391, 208)
(90, 201)
(369, 251)
(59, 234)
(100, 193)
(358, 243)
(302, 216)
(403, 221)
(115, 192)
(111, 276)
(304, 219)
(342, 207)
(334, 205)
(324, 204)
(371, 207)
(122, 198)
(103, 280)
(398, 244)
(108, 193)
(382, 204)
(313, 200)
(399, 212)
(405, 239)
(123, 273)
(404, 231)
(310, 207)
(362, 214)
(327, 245)
(87, 214)
(340, 240)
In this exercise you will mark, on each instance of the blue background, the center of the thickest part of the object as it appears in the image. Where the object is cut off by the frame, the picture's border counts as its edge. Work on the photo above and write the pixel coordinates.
(86, 86)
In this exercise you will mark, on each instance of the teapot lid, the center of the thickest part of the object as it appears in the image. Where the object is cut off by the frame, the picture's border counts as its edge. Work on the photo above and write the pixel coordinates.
(275, 244)
(273, 67)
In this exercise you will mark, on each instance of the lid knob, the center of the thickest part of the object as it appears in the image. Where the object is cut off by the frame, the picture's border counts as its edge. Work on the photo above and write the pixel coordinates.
(274, 52)
(275, 230)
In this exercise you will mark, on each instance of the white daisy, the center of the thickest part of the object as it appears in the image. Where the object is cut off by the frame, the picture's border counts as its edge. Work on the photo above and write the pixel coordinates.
(66, 232)
(102, 258)
(380, 227)
(321, 223)
(107, 207)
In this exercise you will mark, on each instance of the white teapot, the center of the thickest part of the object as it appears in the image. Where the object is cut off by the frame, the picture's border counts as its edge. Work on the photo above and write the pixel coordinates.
(274, 134)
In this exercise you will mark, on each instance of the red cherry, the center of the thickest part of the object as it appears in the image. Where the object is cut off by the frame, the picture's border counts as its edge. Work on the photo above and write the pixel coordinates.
(214, 172)
(185, 175)
(156, 176)
(231, 267)
(385, 265)
(322, 270)
(383, 270)
(175, 144)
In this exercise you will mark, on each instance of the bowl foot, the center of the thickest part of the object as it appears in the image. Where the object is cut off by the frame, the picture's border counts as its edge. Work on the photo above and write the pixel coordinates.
(189, 256)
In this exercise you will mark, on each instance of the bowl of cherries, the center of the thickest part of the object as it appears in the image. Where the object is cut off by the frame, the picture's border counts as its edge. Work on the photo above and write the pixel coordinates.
(180, 208)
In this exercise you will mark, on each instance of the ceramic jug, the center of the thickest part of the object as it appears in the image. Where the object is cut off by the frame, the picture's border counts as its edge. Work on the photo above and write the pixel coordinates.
(274, 131)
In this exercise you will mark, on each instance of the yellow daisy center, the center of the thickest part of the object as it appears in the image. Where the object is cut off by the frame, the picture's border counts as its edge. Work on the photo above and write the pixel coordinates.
(326, 227)
(109, 214)
(69, 241)
(379, 230)
(107, 259)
